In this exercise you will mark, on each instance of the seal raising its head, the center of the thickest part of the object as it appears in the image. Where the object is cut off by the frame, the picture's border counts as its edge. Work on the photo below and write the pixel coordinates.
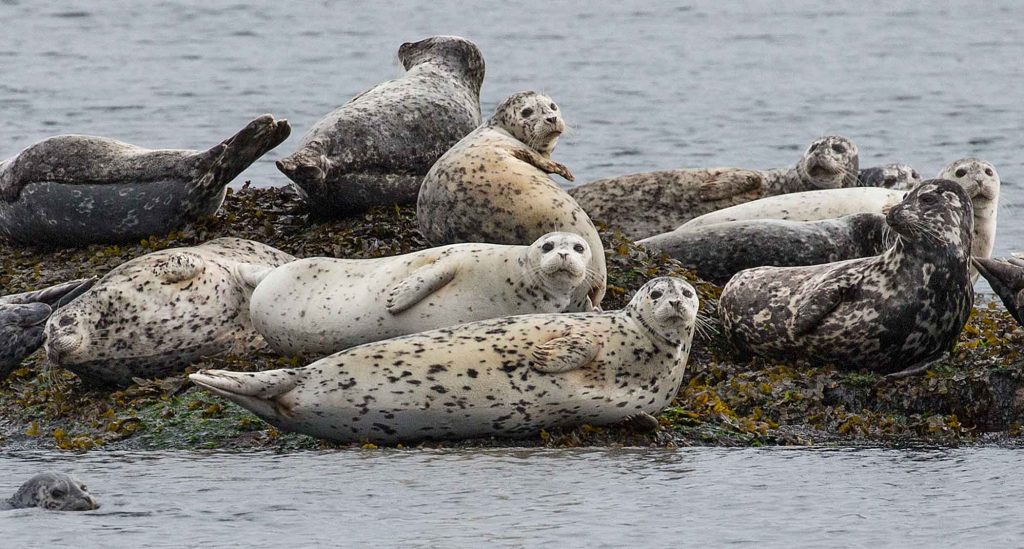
(53, 492)
(375, 149)
(890, 312)
(1007, 278)
(980, 180)
(492, 186)
(510, 376)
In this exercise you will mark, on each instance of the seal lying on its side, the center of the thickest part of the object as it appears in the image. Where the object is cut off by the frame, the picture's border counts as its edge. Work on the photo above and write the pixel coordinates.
(900, 177)
(156, 314)
(886, 313)
(53, 492)
(78, 189)
(717, 252)
(1006, 276)
(509, 377)
(646, 204)
(492, 186)
(324, 305)
(22, 317)
(376, 148)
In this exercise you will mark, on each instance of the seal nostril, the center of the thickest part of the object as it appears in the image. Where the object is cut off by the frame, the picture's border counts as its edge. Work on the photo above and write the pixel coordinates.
(552, 119)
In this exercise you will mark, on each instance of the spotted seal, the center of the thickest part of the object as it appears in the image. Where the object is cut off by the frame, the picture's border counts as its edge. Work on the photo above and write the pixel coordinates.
(79, 189)
(509, 377)
(323, 305)
(717, 252)
(900, 177)
(156, 314)
(982, 183)
(893, 311)
(493, 186)
(1006, 276)
(646, 204)
(53, 492)
(376, 148)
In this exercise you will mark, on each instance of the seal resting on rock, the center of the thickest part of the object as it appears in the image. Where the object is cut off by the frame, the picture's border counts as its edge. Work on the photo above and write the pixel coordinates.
(508, 377)
(493, 186)
(1006, 276)
(891, 312)
(900, 177)
(982, 183)
(79, 190)
(647, 204)
(324, 305)
(53, 492)
(156, 314)
(376, 148)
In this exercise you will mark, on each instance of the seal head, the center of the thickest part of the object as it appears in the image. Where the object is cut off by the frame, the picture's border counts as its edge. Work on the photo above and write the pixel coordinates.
(560, 261)
(454, 52)
(667, 308)
(830, 162)
(900, 177)
(532, 118)
(54, 492)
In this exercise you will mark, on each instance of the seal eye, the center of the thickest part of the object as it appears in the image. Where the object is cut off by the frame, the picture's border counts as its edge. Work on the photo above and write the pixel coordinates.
(656, 294)
(57, 493)
(914, 175)
(687, 294)
(961, 172)
(554, 107)
(813, 147)
(988, 171)
(547, 247)
(929, 198)
(526, 112)
(839, 148)
(579, 248)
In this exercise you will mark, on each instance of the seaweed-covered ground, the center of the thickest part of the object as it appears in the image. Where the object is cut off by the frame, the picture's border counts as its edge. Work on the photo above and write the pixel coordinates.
(974, 395)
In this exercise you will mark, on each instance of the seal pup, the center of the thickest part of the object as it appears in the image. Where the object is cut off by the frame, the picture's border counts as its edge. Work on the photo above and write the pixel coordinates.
(53, 492)
(22, 317)
(508, 377)
(493, 186)
(323, 305)
(646, 204)
(1006, 276)
(79, 189)
(900, 177)
(717, 252)
(375, 149)
(891, 312)
(156, 314)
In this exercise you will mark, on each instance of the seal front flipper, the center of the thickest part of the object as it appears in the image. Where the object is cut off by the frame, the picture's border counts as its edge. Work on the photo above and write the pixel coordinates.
(421, 283)
(543, 163)
(731, 184)
(812, 306)
(260, 392)
(222, 163)
(569, 352)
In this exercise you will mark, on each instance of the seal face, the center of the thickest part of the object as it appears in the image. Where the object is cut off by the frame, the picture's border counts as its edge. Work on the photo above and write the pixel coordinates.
(886, 313)
(492, 186)
(981, 181)
(79, 190)
(323, 305)
(900, 177)
(53, 492)
(156, 314)
(375, 149)
(511, 376)
(651, 203)
(1006, 276)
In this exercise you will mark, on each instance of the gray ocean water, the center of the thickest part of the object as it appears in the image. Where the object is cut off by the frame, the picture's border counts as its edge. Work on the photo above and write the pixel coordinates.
(644, 86)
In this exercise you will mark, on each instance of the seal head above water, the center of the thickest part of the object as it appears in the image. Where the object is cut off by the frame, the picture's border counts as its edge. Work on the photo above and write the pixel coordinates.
(53, 492)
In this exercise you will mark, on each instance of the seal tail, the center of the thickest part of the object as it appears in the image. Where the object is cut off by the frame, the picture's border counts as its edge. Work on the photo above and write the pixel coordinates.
(260, 392)
(219, 165)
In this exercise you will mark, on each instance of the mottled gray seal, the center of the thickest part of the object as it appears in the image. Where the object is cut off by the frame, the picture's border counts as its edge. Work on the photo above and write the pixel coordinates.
(323, 305)
(717, 252)
(78, 189)
(1006, 276)
(510, 377)
(900, 177)
(646, 204)
(23, 316)
(156, 314)
(891, 312)
(376, 148)
(53, 492)
(493, 186)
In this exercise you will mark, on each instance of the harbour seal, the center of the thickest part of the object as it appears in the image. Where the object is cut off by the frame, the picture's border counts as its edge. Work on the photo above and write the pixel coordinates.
(1006, 276)
(894, 311)
(53, 492)
(900, 177)
(646, 204)
(492, 186)
(982, 183)
(79, 189)
(323, 305)
(156, 314)
(508, 377)
(23, 316)
(376, 148)
(717, 252)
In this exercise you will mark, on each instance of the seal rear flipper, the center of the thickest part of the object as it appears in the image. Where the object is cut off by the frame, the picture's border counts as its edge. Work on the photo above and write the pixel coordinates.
(25, 315)
(56, 296)
(731, 184)
(259, 392)
(569, 352)
(420, 284)
(250, 274)
(1007, 279)
(222, 163)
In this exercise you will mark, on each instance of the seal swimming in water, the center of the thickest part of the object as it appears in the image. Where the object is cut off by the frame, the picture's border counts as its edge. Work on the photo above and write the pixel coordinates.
(53, 492)
(156, 314)
(1006, 276)
(646, 204)
(717, 252)
(493, 186)
(900, 177)
(376, 148)
(324, 305)
(509, 377)
(891, 312)
(79, 189)
(22, 317)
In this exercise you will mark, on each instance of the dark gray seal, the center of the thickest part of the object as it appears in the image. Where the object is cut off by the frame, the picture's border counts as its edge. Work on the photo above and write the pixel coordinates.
(53, 492)
(717, 252)
(1006, 276)
(900, 177)
(376, 148)
(23, 317)
(79, 190)
(891, 312)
